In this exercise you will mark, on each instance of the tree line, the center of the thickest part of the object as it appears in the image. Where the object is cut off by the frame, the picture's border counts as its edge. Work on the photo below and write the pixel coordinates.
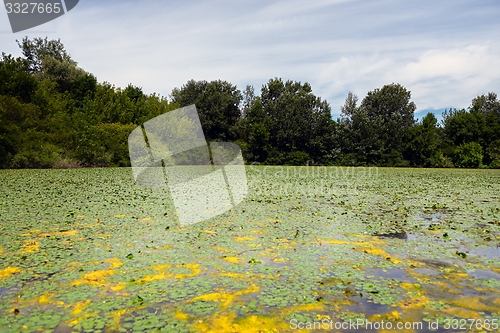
(55, 114)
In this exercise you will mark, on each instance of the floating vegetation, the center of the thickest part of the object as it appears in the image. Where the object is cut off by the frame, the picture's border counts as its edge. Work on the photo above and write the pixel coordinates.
(85, 250)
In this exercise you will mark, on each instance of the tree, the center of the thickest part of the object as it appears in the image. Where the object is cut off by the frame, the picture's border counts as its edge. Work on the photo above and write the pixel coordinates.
(350, 106)
(489, 107)
(299, 120)
(493, 154)
(37, 49)
(217, 103)
(48, 59)
(392, 113)
(358, 138)
(392, 104)
(152, 106)
(259, 135)
(248, 99)
(422, 142)
(15, 78)
(374, 131)
(486, 104)
(63, 73)
(469, 155)
(135, 94)
(82, 87)
(462, 126)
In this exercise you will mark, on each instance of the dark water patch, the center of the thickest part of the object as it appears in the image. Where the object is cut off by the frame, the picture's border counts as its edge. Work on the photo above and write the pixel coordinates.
(484, 274)
(437, 211)
(397, 235)
(427, 271)
(485, 252)
(466, 248)
(411, 237)
(63, 328)
(434, 263)
(392, 235)
(273, 262)
(366, 306)
(4, 291)
(428, 218)
(393, 273)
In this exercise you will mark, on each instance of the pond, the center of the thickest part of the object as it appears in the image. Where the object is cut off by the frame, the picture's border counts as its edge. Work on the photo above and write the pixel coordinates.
(310, 249)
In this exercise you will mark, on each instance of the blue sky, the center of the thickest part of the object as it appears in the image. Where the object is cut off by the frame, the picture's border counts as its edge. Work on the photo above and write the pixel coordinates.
(445, 52)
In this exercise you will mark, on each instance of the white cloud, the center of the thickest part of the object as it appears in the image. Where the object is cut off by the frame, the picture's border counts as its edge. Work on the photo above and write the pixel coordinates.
(453, 75)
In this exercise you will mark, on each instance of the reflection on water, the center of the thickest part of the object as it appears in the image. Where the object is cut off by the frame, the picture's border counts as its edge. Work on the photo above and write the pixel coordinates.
(393, 273)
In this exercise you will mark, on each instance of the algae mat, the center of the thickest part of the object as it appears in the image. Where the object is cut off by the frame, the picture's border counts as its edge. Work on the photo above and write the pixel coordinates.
(310, 249)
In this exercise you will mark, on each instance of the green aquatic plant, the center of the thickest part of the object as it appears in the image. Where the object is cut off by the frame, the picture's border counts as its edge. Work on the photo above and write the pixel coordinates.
(85, 250)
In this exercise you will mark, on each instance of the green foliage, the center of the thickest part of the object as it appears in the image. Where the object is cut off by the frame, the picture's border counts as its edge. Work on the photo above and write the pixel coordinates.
(135, 94)
(486, 104)
(297, 158)
(15, 79)
(493, 153)
(391, 110)
(479, 124)
(374, 131)
(439, 160)
(103, 145)
(259, 142)
(36, 152)
(299, 120)
(64, 74)
(276, 157)
(17, 123)
(217, 103)
(82, 87)
(114, 261)
(422, 142)
(37, 49)
(469, 155)
(55, 114)
(462, 126)
(254, 129)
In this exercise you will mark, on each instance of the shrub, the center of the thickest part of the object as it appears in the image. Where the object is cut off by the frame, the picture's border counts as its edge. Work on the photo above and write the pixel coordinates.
(275, 157)
(440, 160)
(493, 154)
(297, 158)
(469, 155)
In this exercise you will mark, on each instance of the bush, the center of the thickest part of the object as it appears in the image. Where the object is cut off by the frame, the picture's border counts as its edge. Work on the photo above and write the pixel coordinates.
(275, 158)
(495, 164)
(439, 160)
(391, 159)
(292, 158)
(66, 163)
(493, 154)
(469, 155)
(36, 155)
(348, 160)
(297, 158)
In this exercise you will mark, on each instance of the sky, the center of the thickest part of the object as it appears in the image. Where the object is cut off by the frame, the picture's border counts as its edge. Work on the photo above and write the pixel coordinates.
(446, 52)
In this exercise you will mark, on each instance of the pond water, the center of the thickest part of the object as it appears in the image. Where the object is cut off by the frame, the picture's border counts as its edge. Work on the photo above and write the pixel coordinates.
(85, 250)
